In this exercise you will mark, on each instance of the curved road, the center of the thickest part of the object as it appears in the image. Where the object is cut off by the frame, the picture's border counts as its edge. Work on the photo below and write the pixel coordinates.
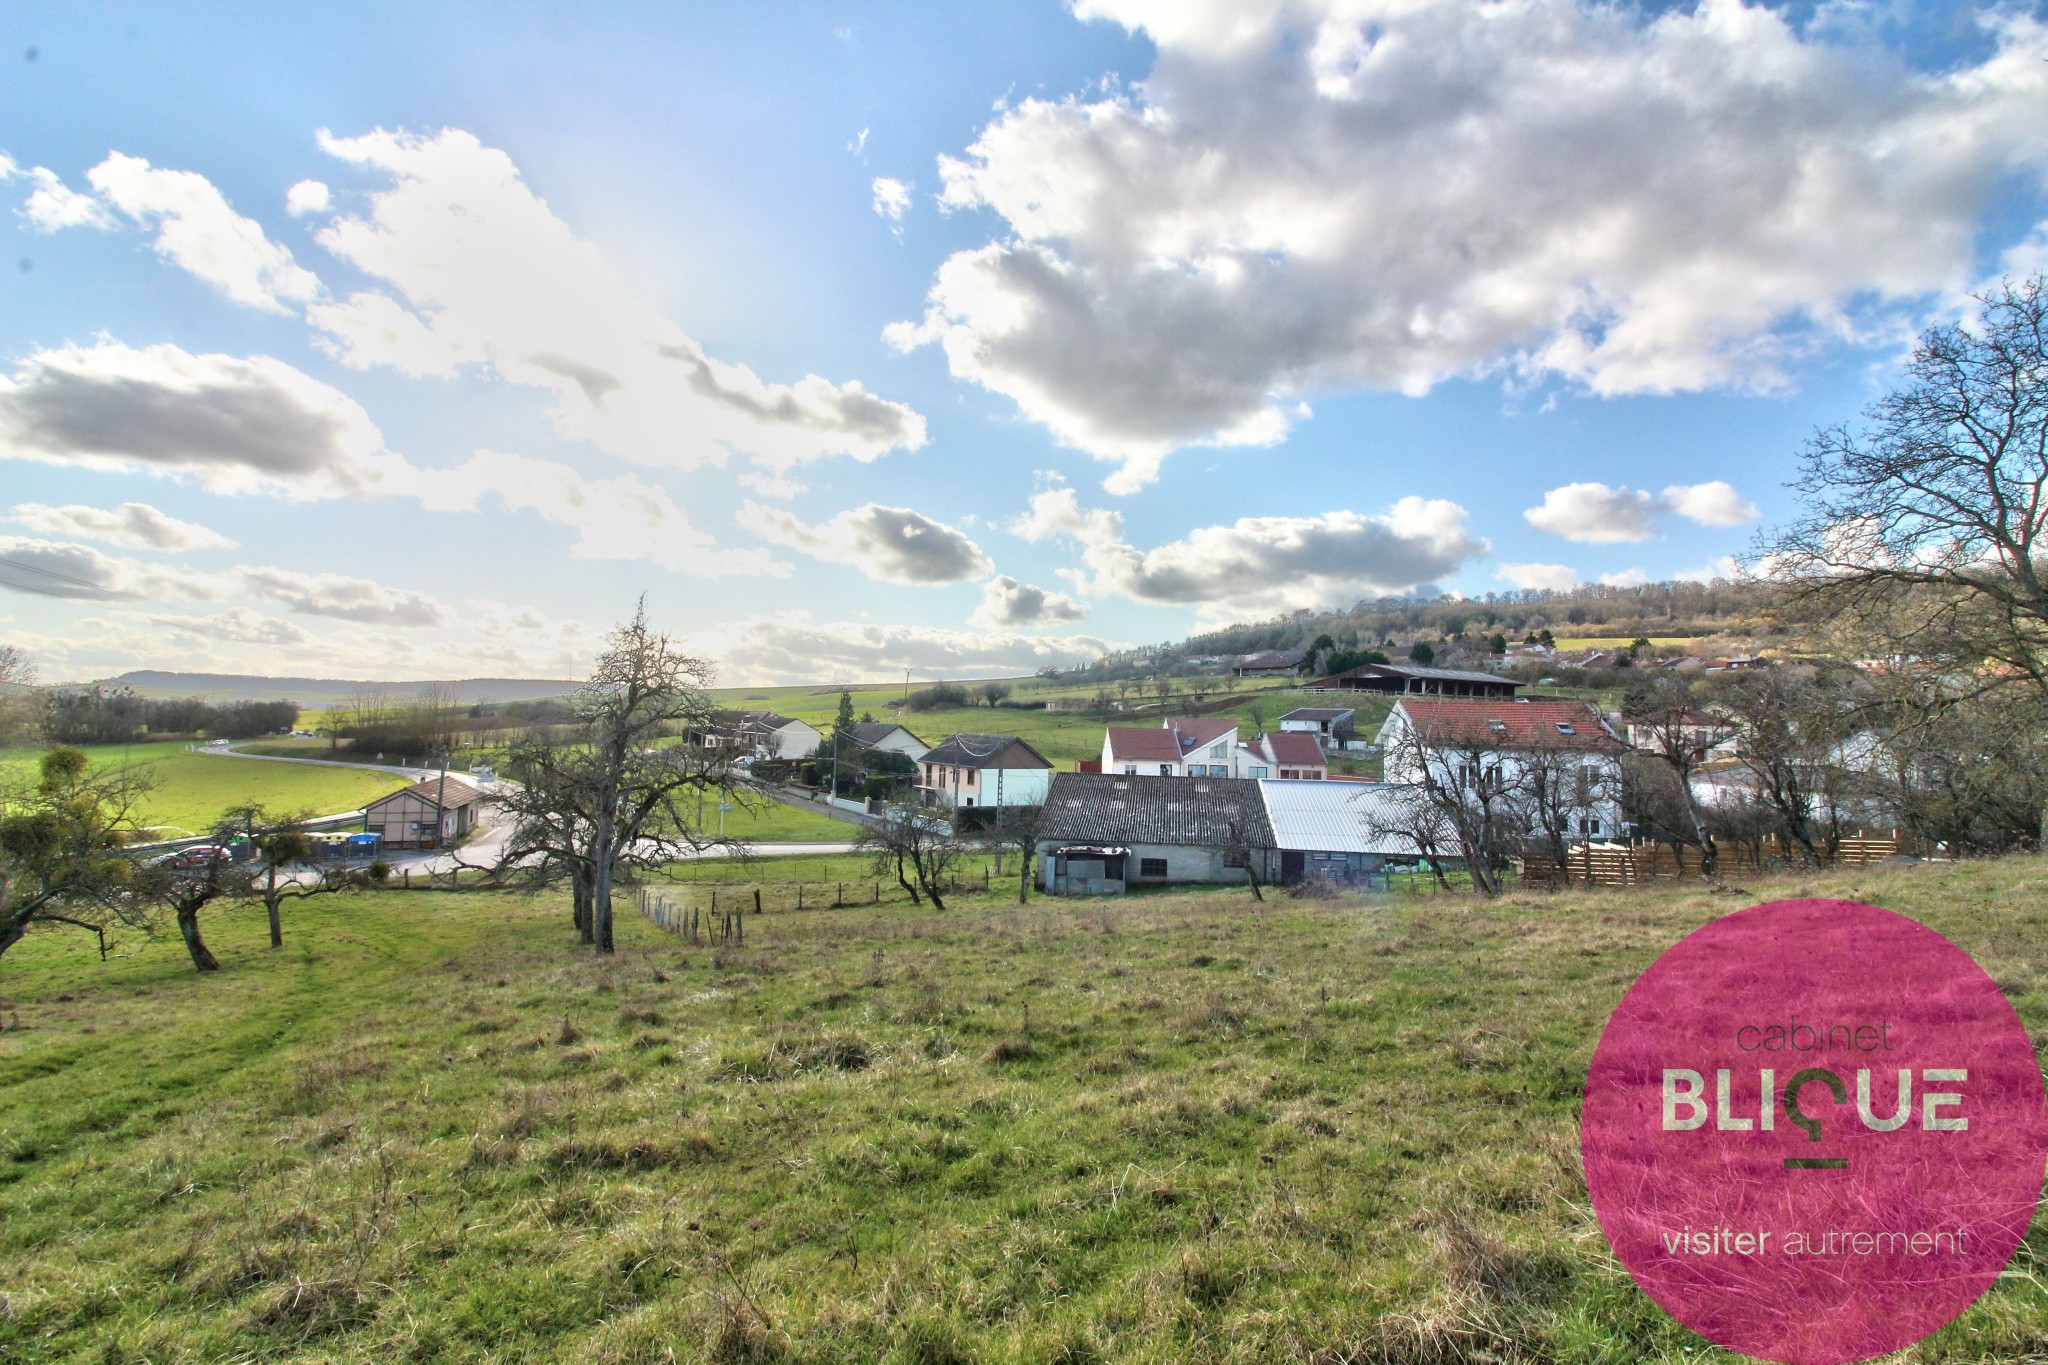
(484, 848)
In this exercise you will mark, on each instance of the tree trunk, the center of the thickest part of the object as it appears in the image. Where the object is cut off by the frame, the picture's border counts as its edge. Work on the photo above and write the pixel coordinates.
(188, 929)
(579, 890)
(1024, 879)
(905, 882)
(272, 902)
(601, 893)
(11, 931)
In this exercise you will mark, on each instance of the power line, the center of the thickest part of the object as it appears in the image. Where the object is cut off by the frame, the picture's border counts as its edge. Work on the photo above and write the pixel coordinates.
(100, 590)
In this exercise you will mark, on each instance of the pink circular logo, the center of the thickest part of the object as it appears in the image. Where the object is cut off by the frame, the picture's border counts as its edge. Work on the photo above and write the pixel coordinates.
(1814, 1131)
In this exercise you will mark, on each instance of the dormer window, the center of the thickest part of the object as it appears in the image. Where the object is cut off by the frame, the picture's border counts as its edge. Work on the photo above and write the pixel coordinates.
(1564, 727)
(1499, 727)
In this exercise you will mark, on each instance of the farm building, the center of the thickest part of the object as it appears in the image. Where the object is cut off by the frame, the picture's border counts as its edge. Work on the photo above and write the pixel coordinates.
(1335, 727)
(1108, 832)
(1272, 663)
(982, 770)
(1414, 680)
(429, 814)
(1338, 831)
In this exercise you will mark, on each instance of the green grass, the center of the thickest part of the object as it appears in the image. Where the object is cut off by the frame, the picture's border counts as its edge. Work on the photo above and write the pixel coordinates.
(192, 789)
(761, 820)
(1166, 1128)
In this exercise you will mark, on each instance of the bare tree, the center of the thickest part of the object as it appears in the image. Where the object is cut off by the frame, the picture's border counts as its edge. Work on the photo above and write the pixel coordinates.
(1463, 784)
(281, 866)
(1558, 792)
(1015, 830)
(1792, 731)
(613, 800)
(917, 848)
(21, 708)
(1926, 523)
(1667, 730)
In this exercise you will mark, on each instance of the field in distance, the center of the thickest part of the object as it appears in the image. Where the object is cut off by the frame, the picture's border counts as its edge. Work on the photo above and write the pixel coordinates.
(1156, 1129)
(192, 789)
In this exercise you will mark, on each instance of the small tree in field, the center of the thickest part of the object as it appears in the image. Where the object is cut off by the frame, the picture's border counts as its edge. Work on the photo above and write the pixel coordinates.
(60, 852)
(1015, 830)
(281, 868)
(916, 848)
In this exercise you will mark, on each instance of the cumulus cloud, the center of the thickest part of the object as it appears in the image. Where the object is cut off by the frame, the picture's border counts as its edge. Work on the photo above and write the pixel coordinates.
(198, 230)
(792, 646)
(616, 518)
(308, 196)
(53, 206)
(1539, 577)
(1009, 604)
(236, 425)
(258, 425)
(1710, 504)
(892, 198)
(239, 625)
(477, 272)
(132, 525)
(1725, 566)
(58, 569)
(340, 596)
(1626, 578)
(889, 544)
(1313, 195)
(1595, 514)
(1258, 566)
(772, 485)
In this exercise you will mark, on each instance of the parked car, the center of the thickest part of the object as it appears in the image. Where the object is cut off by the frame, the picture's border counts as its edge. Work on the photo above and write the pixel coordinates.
(197, 859)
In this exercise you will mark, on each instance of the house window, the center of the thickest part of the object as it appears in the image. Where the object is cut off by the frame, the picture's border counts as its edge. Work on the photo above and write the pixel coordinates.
(1151, 867)
(1166, 770)
(1130, 770)
(1258, 772)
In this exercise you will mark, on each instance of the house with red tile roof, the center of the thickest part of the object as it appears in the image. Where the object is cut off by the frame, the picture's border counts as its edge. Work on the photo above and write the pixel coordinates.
(1447, 737)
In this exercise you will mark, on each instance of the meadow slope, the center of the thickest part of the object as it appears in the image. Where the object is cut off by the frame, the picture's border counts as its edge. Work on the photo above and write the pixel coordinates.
(1170, 1128)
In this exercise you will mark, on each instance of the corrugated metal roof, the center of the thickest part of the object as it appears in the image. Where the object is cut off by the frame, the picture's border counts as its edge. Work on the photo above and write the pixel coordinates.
(1337, 817)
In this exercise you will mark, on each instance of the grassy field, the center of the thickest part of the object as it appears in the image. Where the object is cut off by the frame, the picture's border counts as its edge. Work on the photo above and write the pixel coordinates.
(192, 789)
(1170, 1128)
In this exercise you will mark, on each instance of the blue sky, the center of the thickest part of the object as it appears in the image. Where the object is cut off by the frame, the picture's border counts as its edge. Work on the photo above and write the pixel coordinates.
(863, 338)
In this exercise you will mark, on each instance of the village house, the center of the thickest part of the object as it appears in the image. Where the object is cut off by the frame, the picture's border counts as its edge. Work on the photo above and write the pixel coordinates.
(1286, 755)
(1334, 727)
(1436, 736)
(887, 737)
(1414, 680)
(431, 814)
(1708, 736)
(982, 770)
(760, 734)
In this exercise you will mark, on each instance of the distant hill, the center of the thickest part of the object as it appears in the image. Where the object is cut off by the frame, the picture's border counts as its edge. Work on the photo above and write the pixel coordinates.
(318, 692)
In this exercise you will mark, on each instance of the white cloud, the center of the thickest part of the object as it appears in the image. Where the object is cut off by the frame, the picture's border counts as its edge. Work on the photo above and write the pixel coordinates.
(237, 425)
(54, 206)
(1626, 578)
(239, 625)
(1314, 195)
(482, 274)
(132, 525)
(1726, 566)
(9, 168)
(772, 485)
(616, 518)
(340, 596)
(793, 647)
(1539, 577)
(1007, 604)
(1261, 565)
(1594, 514)
(888, 544)
(1710, 504)
(258, 425)
(198, 230)
(58, 569)
(892, 198)
(308, 196)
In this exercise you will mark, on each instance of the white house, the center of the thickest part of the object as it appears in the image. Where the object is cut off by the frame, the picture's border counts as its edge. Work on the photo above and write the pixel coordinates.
(1182, 746)
(1286, 755)
(983, 770)
(1439, 735)
(1333, 726)
(761, 734)
(889, 738)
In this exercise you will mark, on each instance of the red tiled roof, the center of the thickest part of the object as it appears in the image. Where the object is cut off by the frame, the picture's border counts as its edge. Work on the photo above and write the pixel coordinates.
(1194, 731)
(1521, 724)
(1128, 744)
(1294, 749)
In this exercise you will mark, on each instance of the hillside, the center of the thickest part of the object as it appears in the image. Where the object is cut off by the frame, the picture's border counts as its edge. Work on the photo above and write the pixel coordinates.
(1162, 1129)
(320, 692)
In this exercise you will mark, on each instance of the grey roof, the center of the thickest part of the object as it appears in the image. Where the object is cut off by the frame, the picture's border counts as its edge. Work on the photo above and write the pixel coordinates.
(1339, 817)
(1428, 674)
(1110, 808)
(1275, 658)
(1318, 713)
(986, 751)
(872, 732)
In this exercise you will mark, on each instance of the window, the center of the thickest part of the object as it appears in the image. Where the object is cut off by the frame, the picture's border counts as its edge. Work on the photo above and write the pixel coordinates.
(1258, 772)
(1166, 770)
(1151, 867)
(1564, 727)
(1130, 770)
